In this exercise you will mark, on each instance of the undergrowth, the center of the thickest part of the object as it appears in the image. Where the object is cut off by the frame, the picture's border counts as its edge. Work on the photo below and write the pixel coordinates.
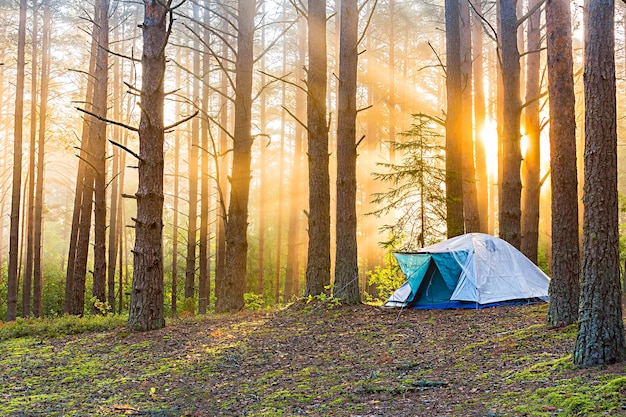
(61, 326)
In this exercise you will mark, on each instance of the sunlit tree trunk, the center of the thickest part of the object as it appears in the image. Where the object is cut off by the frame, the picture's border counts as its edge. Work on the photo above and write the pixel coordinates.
(318, 259)
(175, 208)
(17, 169)
(600, 337)
(115, 174)
(222, 171)
(204, 279)
(346, 261)
(43, 111)
(190, 266)
(230, 298)
(470, 202)
(281, 169)
(74, 285)
(146, 299)
(392, 79)
(27, 279)
(262, 143)
(454, 138)
(292, 273)
(511, 185)
(98, 129)
(482, 179)
(531, 168)
(564, 285)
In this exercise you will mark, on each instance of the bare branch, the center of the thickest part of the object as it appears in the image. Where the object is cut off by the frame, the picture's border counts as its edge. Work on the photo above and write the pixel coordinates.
(365, 108)
(104, 119)
(369, 20)
(300, 122)
(119, 145)
(180, 122)
(443, 67)
(530, 12)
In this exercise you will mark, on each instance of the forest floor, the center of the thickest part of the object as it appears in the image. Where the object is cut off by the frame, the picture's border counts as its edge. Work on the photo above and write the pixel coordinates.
(318, 359)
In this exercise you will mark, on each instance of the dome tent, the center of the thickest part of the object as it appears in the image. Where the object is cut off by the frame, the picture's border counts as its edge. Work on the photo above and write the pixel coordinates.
(474, 270)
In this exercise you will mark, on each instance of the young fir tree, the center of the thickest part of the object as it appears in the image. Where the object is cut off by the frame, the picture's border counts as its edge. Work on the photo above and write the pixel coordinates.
(415, 188)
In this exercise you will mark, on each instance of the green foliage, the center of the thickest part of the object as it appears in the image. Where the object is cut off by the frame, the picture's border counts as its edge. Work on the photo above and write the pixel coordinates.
(386, 278)
(253, 301)
(62, 326)
(102, 307)
(415, 194)
(189, 305)
(324, 298)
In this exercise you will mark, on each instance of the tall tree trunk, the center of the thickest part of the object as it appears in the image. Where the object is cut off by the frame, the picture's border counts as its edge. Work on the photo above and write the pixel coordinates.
(281, 168)
(318, 259)
(98, 135)
(470, 199)
(482, 179)
(510, 212)
(175, 207)
(392, 80)
(146, 298)
(43, 110)
(74, 285)
(230, 298)
(204, 280)
(600, 337)
(222, 171)
(192, 243)
(262, 165)
(454, 138)
(27, 281)
(115, 172)
(262, 185)
(292, 273)
(564, 286)
(17, 169)
(79, 238)
(531, 168)
(346, 260)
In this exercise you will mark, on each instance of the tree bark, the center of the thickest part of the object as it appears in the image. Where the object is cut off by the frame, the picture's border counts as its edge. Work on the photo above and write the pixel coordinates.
(600, 338)
(81, 215)
(470, 199)
(204, 279)
(192, 243)
(564, 286)
(318, 264)
(510, 211)
(17, 169)
(482, 179)
(531, 168)
(97, 133)
(27, 279)
(347, 286)
(454, 156)
(292, 273)
(222, 171)
(146, 299)
(39, 201)
(230, 298)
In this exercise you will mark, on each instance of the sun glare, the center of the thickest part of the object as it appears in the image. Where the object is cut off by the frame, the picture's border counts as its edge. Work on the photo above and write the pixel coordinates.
(489, 136)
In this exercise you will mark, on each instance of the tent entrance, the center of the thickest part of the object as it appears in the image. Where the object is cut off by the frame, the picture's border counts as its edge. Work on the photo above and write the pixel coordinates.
(432, 290)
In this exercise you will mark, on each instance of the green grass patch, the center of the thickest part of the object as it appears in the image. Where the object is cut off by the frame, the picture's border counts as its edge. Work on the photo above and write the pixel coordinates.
(571, 397)
(46, 328)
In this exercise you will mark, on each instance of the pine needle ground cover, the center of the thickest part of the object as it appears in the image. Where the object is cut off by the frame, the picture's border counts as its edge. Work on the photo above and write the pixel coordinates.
(314, 358)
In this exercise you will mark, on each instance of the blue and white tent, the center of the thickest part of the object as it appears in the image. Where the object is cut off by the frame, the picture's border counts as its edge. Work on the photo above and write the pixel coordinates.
(468, 271)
